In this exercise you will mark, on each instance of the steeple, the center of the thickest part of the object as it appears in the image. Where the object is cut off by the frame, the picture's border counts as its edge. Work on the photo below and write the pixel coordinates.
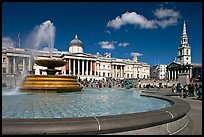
(184, 50)
(184, 38)
(184, 28)
(76, 37)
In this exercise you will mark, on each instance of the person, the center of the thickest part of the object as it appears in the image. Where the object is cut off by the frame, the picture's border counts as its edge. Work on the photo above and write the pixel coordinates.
(173, 89)
(191, 90)
(178, 88)
(200, 92)
(185, 91)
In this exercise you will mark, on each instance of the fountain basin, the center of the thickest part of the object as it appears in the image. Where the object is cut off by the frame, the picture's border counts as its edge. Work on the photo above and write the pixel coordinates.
(50, 84)
(167, 120)
(50, 63)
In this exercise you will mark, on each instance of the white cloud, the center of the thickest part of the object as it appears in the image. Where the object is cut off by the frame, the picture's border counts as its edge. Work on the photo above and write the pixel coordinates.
(167, 17)
(107, 45)
(123, 44)
(136, 54)
(131, 18)
(163, 13)
(8, 42)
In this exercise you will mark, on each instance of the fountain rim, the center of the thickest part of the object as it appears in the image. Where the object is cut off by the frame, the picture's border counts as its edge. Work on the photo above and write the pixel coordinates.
(58, 62)
(100, 124)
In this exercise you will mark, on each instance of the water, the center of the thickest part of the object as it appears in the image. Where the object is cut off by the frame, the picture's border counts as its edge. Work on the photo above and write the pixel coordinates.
(90, 102)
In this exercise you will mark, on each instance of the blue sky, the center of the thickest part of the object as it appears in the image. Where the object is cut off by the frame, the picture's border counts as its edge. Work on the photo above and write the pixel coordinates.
(151, 29)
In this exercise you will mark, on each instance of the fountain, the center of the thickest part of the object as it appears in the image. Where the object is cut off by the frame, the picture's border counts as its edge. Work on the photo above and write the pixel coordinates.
(50, 83)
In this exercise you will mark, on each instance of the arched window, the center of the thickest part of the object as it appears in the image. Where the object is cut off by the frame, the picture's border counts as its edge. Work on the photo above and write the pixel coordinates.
(186, 52)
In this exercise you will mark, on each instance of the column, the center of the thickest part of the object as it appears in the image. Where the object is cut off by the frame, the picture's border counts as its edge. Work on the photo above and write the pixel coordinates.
(172, 74)
(121, 71)
(98, 69)
(29, 64)
(14, 65)
(175, 74)
(74, 67)
(95, 69)
(69, 67)
(91, 68)
(87, 68)
(23, 65)
(78, 68)
(169, 75)
(116, 70)
(112, 70)
(8, 65)
(82, 67)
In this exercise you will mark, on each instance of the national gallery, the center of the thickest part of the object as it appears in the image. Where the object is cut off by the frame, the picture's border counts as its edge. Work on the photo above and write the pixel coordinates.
(84, 65)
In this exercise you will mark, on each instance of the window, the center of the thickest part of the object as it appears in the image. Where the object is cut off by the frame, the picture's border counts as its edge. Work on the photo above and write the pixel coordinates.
(103, 74)
(4, 70)
(4, 60)
(186, 52)
(180, 52)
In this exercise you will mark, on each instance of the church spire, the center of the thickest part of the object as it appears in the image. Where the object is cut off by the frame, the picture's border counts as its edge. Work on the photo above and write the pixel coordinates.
(184, 28)
(184, 50)
(76, 37)
(184, 38)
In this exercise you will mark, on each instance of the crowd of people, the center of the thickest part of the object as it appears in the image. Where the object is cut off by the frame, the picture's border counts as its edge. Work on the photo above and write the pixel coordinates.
(188, 90)
(101, 83)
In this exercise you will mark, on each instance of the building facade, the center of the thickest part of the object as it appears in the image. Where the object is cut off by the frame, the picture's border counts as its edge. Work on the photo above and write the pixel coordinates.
(161, 72)
(78, 63)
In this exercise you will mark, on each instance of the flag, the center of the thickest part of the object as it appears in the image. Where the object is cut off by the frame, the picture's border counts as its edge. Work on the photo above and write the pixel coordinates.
(18, 36)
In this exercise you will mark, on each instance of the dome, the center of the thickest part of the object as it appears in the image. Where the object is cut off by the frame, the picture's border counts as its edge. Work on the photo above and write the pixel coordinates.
(76, 42)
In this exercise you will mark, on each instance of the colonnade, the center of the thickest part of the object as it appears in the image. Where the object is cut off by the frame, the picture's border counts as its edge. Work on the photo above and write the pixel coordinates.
(117, 71)
(14, 61)
(92, 68)
(173, 74)
(80, 67)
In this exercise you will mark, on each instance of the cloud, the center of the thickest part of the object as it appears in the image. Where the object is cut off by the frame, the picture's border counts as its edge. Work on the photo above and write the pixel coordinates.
(123, 44)
(8, 42)
(135, 54)
(169, 17)
(107, 45)
(164, 18)
(163, 13)
(131, 18)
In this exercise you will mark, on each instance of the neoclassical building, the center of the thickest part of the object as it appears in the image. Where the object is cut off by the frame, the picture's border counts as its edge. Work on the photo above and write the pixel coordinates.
(78, 63)
(182, 66)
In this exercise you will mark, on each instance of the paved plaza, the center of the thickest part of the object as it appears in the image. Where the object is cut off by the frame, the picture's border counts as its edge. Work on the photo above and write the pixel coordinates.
(196, 109)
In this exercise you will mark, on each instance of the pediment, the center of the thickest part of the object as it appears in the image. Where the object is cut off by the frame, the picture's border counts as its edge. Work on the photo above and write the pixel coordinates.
(174, 65)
